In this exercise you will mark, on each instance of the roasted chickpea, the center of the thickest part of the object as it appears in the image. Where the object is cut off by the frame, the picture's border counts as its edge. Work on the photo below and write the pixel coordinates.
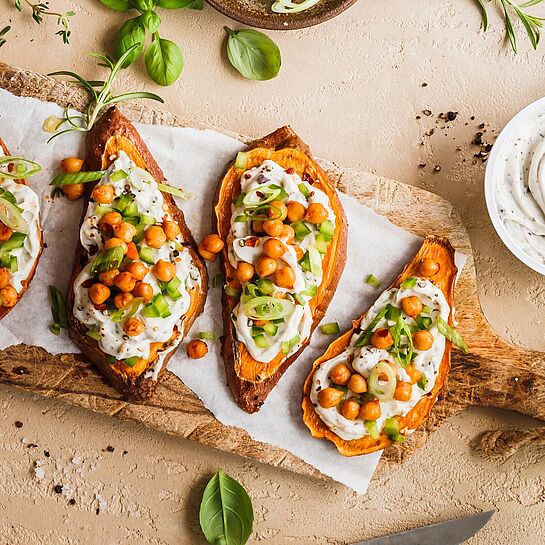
(5, 232)
(423, 340)
(273, 227)
(258, 226)
(298, 252)
(113, 242)
(107, 277)
(350, 409)
(4, 277)
(429, 267)
(121, 299)
(164, 270)
(413, 373)
(274, 248)
(296, 211)
(197, 349)
(340, 374)
(144, 290)
(245, 271)
(125, 281)
(357, 384)
(371, 410)
(261, 323)
(284, 277)
(266, 266)
(329, 397)
(133, 327)
(206, 255)
(412, 306)
(125, 231)
(110, 220)
(278, 207)
(155, 236)
(287, 233)
(103, 194)
(316, 213)
(213, 243)
(8, 296)
(73, 192)
(137, 269)
(98, 293)
(403, 391)
(382, 338)
(71, 165)
(171, 229)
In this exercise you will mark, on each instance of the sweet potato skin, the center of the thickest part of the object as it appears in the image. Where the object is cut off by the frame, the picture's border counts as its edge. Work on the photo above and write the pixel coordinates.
(112, 132)
(287, 149)
(440, 250)
(26, 283)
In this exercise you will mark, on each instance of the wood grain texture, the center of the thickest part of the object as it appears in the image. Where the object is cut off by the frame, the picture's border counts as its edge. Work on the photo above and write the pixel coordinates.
(494, 374)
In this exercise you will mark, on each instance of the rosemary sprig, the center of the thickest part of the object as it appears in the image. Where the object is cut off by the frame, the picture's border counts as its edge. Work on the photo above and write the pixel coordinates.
(3, 32)
(101, 93)
(41, 10)
(531, 23)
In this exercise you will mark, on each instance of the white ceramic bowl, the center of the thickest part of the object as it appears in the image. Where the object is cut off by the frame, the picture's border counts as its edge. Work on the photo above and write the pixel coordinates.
(495, 156)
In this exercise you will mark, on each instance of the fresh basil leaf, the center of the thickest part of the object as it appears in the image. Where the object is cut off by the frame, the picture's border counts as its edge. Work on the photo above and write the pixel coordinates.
(118, 5)
(131, 33)
(164, 61)
(143, 5)
(253, 54)
(177, 4)
(151, 20)
(452, 335)
(226, 515)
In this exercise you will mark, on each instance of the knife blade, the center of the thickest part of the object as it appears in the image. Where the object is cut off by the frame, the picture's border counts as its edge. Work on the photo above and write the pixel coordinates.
(451, 532)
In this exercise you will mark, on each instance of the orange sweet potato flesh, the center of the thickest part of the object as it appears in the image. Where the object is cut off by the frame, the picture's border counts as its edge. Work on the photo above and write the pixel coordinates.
(251, 381)
(26, 283)
(440, 250)
(112, 133)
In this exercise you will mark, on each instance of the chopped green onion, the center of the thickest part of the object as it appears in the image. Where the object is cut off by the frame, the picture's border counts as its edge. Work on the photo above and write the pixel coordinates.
(270, 329)
(130, 309)
(131, 362)
(55, 328)
(399, 330)
(231, 291)
(304, 190)
(58, 308)
(241, 218)
(147, 220)
(131, 211)
(207, 336)
(118, 175)
(240, 161)
(423, 322)
(253, 290)
(365, 337)
(240, 198)
(9, 196)
(102, 209)
(256, 330)
(107, 260)
(373, 281)
(218, 280)
(263, 212)
(267, 308)
(330, 329)
(452, 335)
(322, 243)
(110, 359)
(327, 229)
(398, 438)
(17, 168)
(172, 288)
(11, 216)
(265, 286)
(311, 291)
(392, 313)
(15, 241)
(94, 334)
(261, 341)
(147, 255)
(174, 191)
(391, 426)
(372, 428)
(13, 264)
(122, 202)
(315, 262)
(269, 193)
(409, 283)
(301, 230)
(423, 383)
(299, 298)
(77, 178)
(288, 345)
(426, 309)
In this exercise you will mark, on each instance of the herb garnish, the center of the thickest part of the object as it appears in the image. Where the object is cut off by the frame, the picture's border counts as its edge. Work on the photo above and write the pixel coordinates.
(41, 10)
(3, 32)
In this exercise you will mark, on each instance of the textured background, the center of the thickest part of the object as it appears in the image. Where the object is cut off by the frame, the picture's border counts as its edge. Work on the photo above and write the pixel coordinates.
(354, 89)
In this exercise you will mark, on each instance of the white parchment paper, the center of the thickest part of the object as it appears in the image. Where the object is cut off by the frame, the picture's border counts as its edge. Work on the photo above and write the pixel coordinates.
(195, 160)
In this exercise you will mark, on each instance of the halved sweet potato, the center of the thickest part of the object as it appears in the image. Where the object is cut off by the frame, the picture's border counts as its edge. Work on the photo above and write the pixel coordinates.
(251, 381)
(440, 250)
(112, 133)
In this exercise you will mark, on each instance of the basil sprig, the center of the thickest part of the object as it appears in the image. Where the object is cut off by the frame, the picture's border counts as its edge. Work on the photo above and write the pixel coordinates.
(226, 515)
(452, 335)
(253, 54)
(164, 61)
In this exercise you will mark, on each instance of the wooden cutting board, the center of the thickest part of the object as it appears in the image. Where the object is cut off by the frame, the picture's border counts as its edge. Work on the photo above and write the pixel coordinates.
(494, 374)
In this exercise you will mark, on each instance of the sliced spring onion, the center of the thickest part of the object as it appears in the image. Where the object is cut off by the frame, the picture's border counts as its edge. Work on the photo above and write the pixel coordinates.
(58, 308)
(147, 220)
(131, 362)
(423, 383)
(147, 255)
(372, 428)
(301, 230)
(452, 335)
(101, 209)
(240, 161)
(218, 280)
(311, 291)
(158, 308)
(15, 241)
(106, 260)
(398, 438)
(9, 196)
(322, 243)
(172, 288)
(382, 389)
(315, 262)
(13, 264)
(241, 218)
(55, 328)
(239, 199)
(391, 426)
(270, 329)
(263, 212)
(392, 313)
(267, 308)
(122, 202)
(287, 346)
(409, 283)
(131, 211)
(299, 299)
(11, 216)
(125, 312)
(423, 322)
(402, 354)
(373, 281)
(17, 168)
(289, 6)
(231, 291)
(175, 191)
(207, 336)
(327, 229)
(368, 332)
(77, 178)
(261, 195)
(253, 290)
(330, 329)
(118, 175)
(94, 334)
(261, 341)
(265, 286)
(304, 190)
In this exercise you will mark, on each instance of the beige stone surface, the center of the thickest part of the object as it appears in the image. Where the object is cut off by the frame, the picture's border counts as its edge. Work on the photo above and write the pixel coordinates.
(353, 88)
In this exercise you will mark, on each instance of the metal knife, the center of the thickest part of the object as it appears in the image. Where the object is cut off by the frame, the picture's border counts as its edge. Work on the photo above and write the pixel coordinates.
(451, 532)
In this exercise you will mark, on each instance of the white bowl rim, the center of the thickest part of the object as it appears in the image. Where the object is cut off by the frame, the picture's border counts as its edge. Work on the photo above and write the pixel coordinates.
(489, 187)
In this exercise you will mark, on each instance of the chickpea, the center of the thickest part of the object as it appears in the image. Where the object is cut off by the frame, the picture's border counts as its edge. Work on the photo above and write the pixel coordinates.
(357, 384)
(103, 194)
(121, 299)
(137, 269)
(340, 374)
(403, 391)
(5, 232)
(258, 226)
(412, 306)
(8, 296)
(113, 242)
(266, 266)
(144, 290)
(245, 271)
(285, 277)
(197, 349)
(273, 227)
(296, 211)
(414, 374)
(350, 409)
(329, 397)
(107, 277)
(164, 270)
(125, 231)
(423, 340)
(171, 229)
(133, 327)
(382, 338)
(316, 213)
(4, 277)
(125, 281)
(274, 248)
(155, 236)
(278, 207)
(73, 192)
(213, 243)
(261, 323)
(299, 253)
(287, 233)
(98, 293)
(71, 165)
(371, 410)
(429, 267)
(206, 255)
(110, 220)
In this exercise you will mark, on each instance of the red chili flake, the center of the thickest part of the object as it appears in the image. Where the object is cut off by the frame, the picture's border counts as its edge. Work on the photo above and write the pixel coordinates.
(101, 307)
(290, 170)
(87, 283)
(11, 166)
(252, 242)
(307, 178)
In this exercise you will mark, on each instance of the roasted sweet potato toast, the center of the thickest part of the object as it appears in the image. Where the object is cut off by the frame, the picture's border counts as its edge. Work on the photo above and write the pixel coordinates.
(372, 386)
(21, 241)
(285, 248)
(129, 312)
